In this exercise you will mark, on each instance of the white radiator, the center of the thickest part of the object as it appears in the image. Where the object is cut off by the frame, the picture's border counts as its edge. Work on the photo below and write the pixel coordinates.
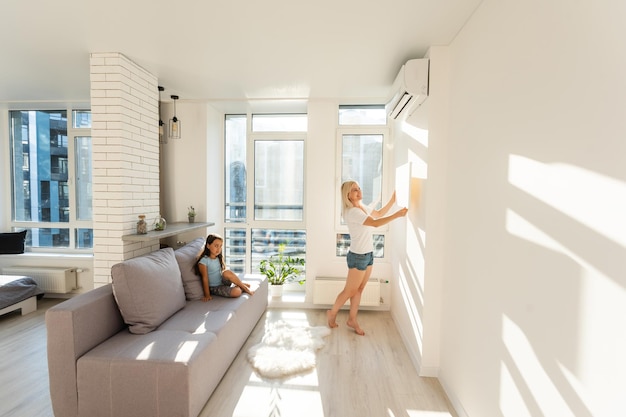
(326, 289)
(49, 279)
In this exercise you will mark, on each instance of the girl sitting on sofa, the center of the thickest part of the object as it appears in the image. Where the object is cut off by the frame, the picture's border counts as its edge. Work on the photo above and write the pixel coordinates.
(216, 279)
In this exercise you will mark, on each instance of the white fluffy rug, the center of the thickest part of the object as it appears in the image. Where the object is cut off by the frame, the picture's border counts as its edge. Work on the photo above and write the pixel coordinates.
(287, 350)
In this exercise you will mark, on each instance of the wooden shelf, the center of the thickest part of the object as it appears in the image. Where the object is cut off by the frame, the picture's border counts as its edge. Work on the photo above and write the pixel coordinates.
(172, 229)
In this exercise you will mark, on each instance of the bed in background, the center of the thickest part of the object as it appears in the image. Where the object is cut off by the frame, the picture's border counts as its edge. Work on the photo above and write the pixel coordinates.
(18, 292)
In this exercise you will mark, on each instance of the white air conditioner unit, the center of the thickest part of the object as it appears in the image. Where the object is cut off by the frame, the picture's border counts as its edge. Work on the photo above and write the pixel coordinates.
(410, 88)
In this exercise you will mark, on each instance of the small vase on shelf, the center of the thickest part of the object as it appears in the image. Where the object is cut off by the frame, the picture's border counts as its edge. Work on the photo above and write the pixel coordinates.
(142, 226)
(159, 223)
(192, 219)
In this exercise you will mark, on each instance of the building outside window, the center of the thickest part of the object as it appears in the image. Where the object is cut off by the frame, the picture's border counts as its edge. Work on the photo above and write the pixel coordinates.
(51, 183)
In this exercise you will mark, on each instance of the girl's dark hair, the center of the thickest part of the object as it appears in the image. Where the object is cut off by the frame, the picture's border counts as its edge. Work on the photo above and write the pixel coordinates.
(205, 251)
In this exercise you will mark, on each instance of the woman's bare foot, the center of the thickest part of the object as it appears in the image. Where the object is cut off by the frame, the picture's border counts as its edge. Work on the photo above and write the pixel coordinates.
(356, 327)
(331, 319)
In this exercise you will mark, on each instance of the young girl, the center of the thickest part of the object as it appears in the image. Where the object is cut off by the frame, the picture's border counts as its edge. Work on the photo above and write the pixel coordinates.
(361, 221)
(216, 279)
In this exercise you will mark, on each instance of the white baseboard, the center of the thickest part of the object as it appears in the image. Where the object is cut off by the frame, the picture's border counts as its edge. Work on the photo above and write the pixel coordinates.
(456, 404)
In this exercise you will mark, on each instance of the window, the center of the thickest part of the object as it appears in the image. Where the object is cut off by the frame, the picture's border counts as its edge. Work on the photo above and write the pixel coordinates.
(362, 161)
(278, 179)
(264, 187)
(360, 141)
(343, 244)
(51, 192)
(362, 115)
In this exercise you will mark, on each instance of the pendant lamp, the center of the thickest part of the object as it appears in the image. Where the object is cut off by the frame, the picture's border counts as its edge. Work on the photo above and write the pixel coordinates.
(175, 124)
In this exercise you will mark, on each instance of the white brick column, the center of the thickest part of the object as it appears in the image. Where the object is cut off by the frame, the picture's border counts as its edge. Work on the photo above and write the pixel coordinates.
(125, 145)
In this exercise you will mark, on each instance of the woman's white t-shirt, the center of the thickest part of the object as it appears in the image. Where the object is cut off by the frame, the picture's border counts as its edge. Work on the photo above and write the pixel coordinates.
(360, 235)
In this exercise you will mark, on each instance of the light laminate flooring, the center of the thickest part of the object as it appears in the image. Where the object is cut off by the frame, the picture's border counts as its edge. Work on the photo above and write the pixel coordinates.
(356, 376)
(24, 388)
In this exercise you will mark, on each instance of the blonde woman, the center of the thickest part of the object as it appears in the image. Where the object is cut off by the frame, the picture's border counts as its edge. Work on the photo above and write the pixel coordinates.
(361, 221)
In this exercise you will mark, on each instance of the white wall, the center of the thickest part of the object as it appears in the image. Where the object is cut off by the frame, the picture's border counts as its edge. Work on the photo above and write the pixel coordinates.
(419, 141)
(534, 305)
(192, 169)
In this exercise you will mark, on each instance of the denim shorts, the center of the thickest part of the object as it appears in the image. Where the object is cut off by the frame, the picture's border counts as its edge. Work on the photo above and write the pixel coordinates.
(222, 290)
(360, 261)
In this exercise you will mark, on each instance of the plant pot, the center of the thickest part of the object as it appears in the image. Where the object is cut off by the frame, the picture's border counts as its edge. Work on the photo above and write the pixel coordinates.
(276, 290)
(192, 219)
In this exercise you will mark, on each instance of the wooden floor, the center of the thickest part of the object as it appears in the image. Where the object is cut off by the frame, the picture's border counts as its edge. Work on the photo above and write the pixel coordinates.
(24, 385)
(356, 376)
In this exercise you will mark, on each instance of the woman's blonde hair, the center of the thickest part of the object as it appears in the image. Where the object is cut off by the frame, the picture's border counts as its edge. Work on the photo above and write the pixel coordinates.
(345, 192)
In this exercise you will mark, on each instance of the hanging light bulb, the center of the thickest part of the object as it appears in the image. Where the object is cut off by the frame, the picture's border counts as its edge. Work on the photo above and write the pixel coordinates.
(162, 136)
(175, 124)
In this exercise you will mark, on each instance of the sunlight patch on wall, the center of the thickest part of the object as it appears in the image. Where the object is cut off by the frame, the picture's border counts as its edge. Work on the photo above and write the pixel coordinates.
(403, 186)
(511, 401)
(420, 135)
(577, 387)
(415, 260)
(410, 303)
(601, 301)
(524, 380)
(522, 228)
(595, 200)
(420, 166)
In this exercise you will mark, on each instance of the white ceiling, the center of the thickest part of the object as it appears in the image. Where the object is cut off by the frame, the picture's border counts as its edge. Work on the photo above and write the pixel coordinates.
(222, 50)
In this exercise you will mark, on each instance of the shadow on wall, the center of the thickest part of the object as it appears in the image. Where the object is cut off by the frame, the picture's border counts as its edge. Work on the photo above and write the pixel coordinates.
(566, 219)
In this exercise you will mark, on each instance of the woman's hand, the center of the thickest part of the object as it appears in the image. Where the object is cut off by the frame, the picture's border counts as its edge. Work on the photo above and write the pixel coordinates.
(205, 299)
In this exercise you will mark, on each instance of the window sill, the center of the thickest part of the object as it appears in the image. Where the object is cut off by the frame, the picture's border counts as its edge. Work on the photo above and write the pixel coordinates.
(50, 255)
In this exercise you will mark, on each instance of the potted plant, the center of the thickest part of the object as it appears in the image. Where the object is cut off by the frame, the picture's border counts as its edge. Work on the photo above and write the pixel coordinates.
(191, 214)
(282, 268)
(159, 223)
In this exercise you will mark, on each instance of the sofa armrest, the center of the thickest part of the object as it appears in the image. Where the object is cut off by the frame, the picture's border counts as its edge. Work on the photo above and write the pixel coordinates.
(74, 327)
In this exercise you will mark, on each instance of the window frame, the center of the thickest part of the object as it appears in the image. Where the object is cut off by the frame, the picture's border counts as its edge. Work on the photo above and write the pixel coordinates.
(386, 188)
(251, 224)
(73, 224)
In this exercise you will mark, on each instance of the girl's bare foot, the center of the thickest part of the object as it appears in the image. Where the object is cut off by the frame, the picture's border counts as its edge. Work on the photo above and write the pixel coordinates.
(246, 288)
(356, 327)
(331, 319)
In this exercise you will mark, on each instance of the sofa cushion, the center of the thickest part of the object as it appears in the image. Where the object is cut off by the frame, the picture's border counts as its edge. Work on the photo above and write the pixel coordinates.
(162, 373)
(148, 290)
(186, 258)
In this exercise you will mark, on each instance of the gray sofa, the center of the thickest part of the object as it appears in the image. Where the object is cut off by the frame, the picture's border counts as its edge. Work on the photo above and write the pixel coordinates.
(146, 345)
